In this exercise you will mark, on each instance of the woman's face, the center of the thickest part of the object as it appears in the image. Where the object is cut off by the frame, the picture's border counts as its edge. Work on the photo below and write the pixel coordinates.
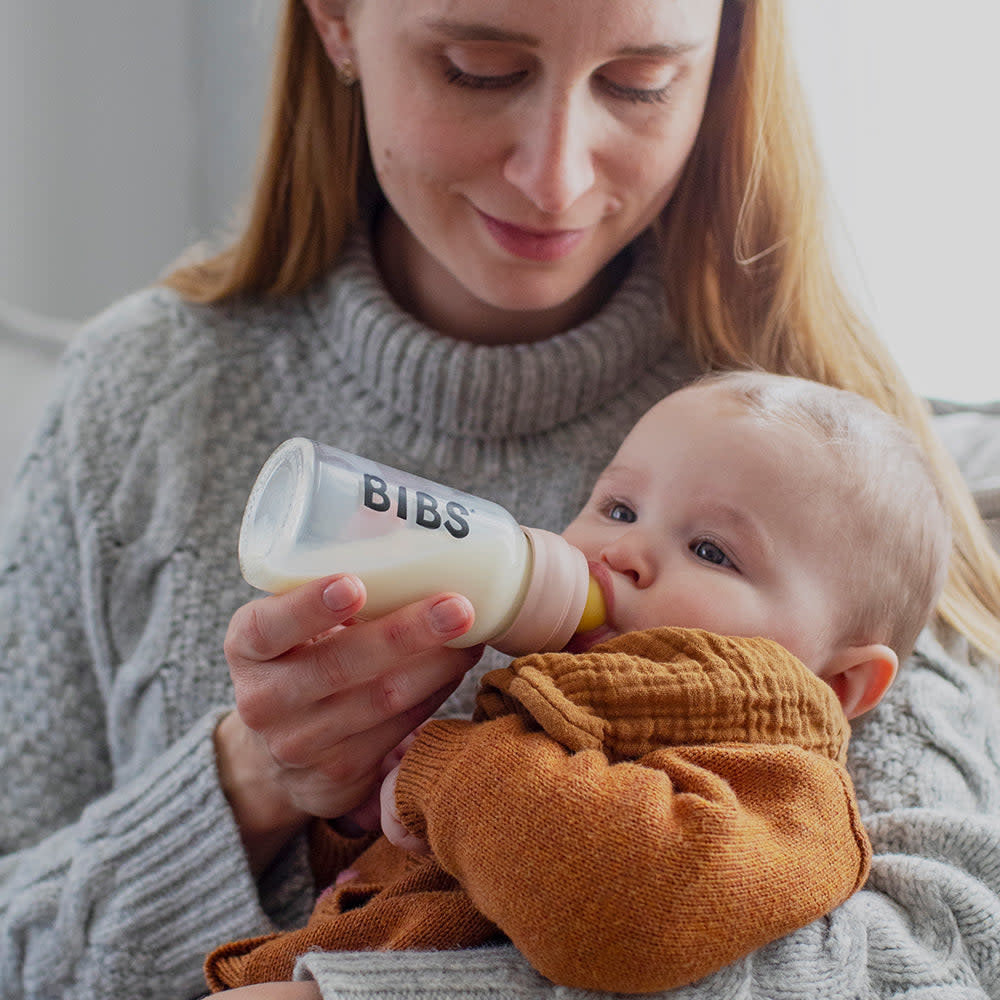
(522, 144)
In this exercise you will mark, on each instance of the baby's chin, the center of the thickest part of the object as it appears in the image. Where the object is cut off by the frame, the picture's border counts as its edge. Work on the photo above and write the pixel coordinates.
(583, 641)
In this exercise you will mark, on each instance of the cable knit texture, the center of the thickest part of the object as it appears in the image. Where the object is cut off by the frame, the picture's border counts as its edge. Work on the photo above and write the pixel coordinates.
(735, 824)
(121, 866)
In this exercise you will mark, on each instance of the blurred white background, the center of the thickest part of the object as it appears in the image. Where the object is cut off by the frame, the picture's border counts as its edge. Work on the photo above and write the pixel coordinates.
(903, 98)
(129, 132)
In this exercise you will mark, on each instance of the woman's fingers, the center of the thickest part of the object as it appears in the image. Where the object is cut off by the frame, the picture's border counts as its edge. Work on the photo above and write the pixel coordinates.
(345, 783)
(382, 654)
(389, 706)
(372, 670)
(345, 778)
(330, 700)
(268, 627)
(305, 732)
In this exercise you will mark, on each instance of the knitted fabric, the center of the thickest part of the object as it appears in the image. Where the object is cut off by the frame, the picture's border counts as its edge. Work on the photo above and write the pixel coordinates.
(118, 577)
(735, 824)
(121, 864)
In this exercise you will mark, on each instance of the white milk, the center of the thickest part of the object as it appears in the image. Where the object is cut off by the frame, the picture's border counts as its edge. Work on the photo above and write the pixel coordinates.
(315, 511)
(491, 570)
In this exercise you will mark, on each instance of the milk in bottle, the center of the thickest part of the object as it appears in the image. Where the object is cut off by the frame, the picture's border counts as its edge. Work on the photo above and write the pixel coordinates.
(315, 510)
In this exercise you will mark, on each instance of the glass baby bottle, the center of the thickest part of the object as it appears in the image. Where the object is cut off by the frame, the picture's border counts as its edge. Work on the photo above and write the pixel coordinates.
(315, 510)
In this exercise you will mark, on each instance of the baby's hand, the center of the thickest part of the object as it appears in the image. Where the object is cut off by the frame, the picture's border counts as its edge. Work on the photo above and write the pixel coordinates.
(391, 826)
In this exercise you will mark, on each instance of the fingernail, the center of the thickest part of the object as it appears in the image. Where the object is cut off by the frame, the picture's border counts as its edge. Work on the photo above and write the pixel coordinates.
(341, 594)
(449, 614)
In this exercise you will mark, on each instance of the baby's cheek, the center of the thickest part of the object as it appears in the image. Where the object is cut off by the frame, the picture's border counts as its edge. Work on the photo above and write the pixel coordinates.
(715, 605)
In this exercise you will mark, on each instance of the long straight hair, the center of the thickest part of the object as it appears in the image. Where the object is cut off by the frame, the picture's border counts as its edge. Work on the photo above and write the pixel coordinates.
(747, 263)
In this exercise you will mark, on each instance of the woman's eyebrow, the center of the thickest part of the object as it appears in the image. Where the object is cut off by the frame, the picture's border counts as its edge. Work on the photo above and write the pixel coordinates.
(462, 31)
(472, 31)
(658, 51)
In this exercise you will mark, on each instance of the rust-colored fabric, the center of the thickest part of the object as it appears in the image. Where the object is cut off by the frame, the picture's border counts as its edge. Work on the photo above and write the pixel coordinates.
(419, 905)
(632, 818)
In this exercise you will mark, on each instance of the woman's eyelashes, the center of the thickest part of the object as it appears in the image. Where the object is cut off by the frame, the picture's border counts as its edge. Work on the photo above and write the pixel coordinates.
(637, 95)
(455, 75)
(461, 78)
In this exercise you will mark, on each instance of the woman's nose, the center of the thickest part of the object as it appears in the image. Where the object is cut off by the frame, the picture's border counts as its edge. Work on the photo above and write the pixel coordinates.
(551, 163)
(630, 556)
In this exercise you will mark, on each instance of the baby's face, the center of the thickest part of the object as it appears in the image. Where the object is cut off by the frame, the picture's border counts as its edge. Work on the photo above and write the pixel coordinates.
(707, 518)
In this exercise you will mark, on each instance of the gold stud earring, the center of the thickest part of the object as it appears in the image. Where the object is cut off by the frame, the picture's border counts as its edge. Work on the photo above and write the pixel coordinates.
(347, 72)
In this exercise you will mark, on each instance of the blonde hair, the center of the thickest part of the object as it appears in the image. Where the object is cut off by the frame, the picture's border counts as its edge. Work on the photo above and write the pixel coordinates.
(891, 520)
(747, 267)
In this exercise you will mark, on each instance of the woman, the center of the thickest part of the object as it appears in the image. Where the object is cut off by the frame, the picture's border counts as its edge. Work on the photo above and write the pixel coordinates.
(484, 239)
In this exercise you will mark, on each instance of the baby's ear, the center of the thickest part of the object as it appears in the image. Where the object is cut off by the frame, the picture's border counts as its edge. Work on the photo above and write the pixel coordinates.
(860, 675)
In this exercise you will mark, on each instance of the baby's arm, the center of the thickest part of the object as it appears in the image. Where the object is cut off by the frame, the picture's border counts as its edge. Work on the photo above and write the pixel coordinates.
(632, 876)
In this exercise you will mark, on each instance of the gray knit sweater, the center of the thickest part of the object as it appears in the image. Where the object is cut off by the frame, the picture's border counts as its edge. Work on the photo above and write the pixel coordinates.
(121, 863)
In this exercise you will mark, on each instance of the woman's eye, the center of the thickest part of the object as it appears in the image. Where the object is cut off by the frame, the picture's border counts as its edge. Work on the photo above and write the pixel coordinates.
(639, 81)
(483, 67)
(710, 552)
(461, 78)
(638, 95)
(621, 512)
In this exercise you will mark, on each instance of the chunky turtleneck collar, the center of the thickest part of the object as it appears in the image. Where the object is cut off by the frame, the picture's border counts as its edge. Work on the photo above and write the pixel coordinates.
(491, 391)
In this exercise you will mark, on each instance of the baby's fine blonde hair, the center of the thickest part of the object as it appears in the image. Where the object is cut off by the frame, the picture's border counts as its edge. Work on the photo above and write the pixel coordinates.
(894, 519)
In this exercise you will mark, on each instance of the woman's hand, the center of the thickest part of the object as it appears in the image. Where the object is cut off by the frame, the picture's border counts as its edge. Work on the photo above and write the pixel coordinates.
(320, 705)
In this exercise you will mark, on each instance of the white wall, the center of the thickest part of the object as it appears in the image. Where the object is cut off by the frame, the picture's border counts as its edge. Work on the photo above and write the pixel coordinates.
(904, 97)
(129, 132)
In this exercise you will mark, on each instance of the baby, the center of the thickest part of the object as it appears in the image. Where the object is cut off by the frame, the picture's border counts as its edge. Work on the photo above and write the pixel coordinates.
(668, 793)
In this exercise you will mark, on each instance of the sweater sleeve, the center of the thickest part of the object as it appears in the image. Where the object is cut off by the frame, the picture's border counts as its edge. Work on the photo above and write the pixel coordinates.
(121, 864)
(633, 876)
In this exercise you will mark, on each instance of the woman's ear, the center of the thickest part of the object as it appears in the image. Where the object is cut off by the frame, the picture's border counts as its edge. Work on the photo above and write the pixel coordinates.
(860, 676)
(329, 17)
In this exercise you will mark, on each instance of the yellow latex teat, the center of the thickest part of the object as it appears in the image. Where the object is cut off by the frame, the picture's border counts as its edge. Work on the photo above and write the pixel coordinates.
(594, 611)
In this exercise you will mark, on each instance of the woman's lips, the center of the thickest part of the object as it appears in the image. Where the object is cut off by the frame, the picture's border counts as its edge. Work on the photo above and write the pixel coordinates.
(532, 244)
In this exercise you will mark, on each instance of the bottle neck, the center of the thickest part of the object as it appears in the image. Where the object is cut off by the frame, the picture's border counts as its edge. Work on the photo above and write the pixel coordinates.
(555, 599)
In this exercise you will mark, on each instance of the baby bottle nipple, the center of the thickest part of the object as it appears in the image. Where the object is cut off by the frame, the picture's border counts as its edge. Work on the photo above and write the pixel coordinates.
(595, 612)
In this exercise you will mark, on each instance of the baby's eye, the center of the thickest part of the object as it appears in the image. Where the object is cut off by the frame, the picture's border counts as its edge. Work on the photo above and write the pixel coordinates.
(618, 511)
(710, 552)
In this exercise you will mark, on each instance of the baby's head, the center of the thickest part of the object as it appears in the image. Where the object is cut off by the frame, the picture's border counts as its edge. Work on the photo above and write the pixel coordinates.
(764, 505)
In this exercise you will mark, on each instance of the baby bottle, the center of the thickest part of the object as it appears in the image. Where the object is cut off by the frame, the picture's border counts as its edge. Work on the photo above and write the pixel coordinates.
(316, 510)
